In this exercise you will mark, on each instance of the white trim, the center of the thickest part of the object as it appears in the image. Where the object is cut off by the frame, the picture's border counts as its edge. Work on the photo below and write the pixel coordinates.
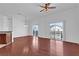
(63, 40)
(43, 36)
(72, 41)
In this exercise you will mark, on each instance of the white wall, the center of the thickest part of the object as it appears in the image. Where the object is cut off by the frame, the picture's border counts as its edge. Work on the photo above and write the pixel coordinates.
(40, 23)
(19, 26)
(4, 23)
(70, 18)
(1, 22)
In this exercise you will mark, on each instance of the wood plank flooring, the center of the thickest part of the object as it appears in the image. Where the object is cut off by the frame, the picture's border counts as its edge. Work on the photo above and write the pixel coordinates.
(28, 46)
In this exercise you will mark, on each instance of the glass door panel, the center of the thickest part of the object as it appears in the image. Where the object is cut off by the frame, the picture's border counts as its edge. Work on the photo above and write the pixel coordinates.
(56, 30)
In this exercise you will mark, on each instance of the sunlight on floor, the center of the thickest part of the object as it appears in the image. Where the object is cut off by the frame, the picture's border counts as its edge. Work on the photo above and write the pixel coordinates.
(35, 42)
(52, 47)
(59, 48)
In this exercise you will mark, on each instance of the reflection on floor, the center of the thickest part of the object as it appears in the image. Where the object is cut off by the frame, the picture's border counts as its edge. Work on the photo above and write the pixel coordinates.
(31, 46)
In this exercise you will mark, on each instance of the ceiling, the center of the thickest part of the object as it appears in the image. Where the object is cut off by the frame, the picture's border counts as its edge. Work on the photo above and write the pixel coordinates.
(32, 9)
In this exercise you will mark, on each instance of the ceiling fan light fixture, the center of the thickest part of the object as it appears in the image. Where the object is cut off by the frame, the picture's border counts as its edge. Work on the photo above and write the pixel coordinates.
(46, 6)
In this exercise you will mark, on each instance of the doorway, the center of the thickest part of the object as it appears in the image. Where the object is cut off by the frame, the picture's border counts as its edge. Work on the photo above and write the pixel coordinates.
(35, 30)
(57, 30)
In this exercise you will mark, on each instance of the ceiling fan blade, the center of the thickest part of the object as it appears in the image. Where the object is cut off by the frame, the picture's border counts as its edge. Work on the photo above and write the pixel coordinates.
(51, 7)
(42, 6)
(42, 10)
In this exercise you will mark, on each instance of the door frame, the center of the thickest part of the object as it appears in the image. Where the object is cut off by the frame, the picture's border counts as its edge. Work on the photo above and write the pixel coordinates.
(64, 32)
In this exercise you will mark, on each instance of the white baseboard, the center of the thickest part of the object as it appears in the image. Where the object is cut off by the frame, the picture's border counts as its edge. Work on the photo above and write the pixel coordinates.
(72, 41)
(43, 36)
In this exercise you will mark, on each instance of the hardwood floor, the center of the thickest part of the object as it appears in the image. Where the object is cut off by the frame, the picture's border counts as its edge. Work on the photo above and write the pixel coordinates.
(28, 46)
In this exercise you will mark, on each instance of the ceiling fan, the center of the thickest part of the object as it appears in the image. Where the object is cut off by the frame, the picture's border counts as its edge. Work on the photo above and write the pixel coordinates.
(46, 6)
